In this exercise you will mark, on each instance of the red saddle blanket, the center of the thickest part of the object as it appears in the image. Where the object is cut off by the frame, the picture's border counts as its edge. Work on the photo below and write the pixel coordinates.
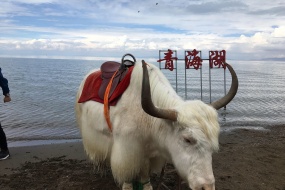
(93, 83)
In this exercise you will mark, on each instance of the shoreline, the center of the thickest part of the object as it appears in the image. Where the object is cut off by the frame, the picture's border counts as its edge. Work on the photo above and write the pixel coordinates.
(44, 141)
(24, 143)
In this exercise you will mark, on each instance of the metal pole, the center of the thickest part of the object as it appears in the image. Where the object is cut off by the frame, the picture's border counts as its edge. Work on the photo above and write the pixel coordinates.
(210, 82)
(201, 83)
(176, 68)
(185, 76)
(225, 85)
(201, 77)
(159, 59)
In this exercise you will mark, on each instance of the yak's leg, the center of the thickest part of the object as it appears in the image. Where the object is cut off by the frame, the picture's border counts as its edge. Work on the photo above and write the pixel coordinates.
(127, 186)
(147, 186)
(126, 159)
(145, 176)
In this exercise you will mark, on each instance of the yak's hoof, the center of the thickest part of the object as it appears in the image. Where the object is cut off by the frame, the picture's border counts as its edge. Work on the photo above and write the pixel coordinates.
(127, 186)
(147, 186)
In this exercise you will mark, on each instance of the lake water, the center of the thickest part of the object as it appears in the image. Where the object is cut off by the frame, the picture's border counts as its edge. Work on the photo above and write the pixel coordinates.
(43, 95)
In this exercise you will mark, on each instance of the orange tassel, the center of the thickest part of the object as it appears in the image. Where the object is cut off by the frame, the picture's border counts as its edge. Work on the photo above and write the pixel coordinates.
(106, 102)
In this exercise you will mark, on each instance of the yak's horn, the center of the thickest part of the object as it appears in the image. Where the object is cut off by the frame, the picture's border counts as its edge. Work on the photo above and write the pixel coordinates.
(147, 103)
(232, 92)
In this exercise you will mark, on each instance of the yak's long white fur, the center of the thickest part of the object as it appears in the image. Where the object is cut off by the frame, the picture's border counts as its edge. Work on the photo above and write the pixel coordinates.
(138, 138)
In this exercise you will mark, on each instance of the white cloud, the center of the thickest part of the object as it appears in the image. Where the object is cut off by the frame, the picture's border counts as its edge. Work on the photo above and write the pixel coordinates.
(279, 32)
(250, 28)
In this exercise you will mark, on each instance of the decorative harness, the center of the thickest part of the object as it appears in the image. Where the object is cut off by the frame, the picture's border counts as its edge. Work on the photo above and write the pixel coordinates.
(106, 102)
(124, 65)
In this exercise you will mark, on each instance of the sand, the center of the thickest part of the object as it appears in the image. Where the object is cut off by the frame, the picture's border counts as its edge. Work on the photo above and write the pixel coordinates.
(21, 155)
(247, 160)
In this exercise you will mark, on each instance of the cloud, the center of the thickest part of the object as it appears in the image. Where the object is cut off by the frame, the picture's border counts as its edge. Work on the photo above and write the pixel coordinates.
(276, 11)
(247, 28)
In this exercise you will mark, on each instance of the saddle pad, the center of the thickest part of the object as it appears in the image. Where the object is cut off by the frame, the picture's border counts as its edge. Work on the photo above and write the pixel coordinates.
(93, 83)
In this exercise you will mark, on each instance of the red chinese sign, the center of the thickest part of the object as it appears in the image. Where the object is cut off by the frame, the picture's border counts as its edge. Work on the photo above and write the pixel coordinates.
(192, 58)
(168, 60)
(217, 58)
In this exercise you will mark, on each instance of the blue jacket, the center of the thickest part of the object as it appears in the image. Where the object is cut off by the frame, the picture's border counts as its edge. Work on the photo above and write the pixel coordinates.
(4, 84)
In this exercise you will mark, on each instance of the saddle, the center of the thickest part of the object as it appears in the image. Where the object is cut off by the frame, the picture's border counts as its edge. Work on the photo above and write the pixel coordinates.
(108, 69)
(113, 77)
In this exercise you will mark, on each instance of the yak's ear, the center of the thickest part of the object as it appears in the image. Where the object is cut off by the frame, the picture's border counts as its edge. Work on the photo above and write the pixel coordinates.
(189, 139)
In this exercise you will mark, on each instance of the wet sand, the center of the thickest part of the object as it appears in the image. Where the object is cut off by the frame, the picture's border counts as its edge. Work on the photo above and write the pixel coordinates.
(247, 160)
(24, 154)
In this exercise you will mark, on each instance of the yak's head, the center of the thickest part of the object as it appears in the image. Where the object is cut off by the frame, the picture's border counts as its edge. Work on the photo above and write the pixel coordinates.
(195, 133)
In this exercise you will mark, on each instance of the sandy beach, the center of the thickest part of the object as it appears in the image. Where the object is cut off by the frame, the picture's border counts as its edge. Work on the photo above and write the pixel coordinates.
(247, 160)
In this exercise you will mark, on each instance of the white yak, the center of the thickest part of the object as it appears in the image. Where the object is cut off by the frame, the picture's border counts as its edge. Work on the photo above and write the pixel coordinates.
(151, 126)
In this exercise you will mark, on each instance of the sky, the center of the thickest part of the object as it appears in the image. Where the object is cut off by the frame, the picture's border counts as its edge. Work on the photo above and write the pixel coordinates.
(246, 29)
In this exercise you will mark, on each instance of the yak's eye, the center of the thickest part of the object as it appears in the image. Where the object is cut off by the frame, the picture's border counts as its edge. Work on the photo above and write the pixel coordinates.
(189, 140)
